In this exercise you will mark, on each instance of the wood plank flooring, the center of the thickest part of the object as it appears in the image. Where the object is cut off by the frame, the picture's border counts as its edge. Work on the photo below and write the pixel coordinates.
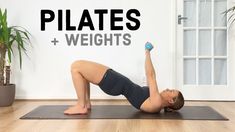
(10, 122)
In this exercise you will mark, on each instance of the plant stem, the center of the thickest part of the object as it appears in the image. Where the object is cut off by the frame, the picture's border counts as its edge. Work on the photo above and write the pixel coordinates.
(2, 63)
(8, 70)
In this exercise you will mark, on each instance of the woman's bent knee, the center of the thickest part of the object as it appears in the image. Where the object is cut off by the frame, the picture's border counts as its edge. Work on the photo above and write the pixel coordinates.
(76, 65)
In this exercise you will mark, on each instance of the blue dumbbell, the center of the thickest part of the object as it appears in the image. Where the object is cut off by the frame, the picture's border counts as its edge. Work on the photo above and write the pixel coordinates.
(148, 46)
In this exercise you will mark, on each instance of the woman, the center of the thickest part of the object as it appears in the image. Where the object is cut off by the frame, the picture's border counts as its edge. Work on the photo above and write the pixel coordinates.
(147, 99)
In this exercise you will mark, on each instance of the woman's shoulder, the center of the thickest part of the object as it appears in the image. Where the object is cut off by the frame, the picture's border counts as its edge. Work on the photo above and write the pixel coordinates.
(150, 106)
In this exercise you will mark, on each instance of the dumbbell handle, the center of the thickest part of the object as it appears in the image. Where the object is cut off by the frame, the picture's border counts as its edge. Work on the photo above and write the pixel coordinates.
(148, 46)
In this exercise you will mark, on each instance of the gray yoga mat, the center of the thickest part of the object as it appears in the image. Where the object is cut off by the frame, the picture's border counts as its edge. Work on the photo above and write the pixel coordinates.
(124, 112)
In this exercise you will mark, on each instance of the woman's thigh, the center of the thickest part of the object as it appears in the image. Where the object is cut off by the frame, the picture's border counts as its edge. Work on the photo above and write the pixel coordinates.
(91, 71)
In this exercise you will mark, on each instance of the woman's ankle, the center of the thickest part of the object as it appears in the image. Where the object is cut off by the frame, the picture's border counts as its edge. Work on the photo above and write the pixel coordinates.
(81, 104)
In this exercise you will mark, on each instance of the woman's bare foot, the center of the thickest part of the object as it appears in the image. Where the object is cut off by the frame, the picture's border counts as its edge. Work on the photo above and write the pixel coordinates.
(88, 105)
(76, 110)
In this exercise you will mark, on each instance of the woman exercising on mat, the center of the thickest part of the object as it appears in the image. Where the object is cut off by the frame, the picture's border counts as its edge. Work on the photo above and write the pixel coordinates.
(147, 99)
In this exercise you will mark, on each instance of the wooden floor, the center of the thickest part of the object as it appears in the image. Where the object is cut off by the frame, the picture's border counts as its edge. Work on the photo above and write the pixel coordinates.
(10, 122)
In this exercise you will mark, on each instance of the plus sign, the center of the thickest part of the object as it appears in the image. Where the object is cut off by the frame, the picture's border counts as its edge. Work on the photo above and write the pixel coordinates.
(55, 41)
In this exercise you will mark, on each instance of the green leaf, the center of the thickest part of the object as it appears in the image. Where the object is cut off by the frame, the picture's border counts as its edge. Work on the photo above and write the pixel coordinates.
(230, 17)
(230, 9)
(19, 38)
(19, 49)
(233, 21)
(25, 32)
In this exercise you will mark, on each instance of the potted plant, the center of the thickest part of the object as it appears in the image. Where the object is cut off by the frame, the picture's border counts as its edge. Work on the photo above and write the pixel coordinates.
(10, 37)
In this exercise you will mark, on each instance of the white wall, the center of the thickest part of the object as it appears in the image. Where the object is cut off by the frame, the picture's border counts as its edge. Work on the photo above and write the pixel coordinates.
(46, 73)
(231, 48)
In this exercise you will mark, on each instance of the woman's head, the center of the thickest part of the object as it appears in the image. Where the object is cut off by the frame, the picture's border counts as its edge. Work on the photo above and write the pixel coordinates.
(174, 98)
